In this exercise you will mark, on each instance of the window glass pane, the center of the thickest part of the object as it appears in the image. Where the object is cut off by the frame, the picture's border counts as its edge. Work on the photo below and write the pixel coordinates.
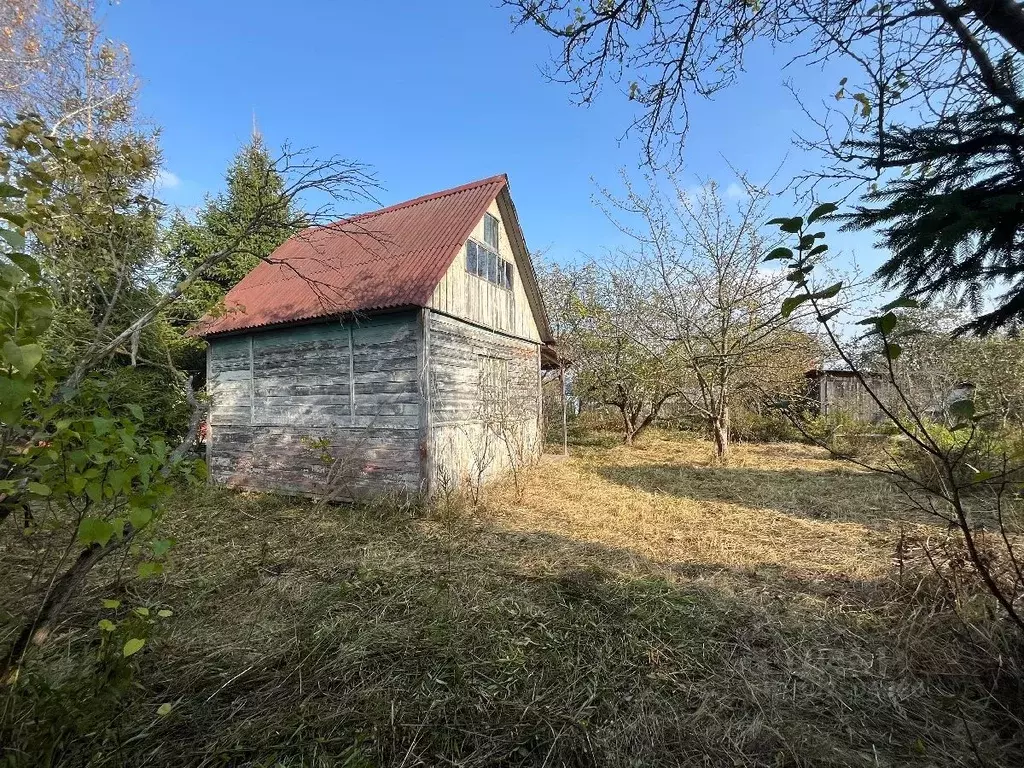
(492, 267)
(491, 231)
(508, 274)
(471, 263)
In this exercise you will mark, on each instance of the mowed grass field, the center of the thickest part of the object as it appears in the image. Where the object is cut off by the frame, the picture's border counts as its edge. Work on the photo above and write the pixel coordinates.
(623, 607)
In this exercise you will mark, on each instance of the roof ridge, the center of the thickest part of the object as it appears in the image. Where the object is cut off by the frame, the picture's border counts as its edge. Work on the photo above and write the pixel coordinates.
(426, 198)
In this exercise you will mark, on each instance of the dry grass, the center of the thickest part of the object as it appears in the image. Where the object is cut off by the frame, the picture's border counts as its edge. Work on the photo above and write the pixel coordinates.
(782, 506)
(630, 607)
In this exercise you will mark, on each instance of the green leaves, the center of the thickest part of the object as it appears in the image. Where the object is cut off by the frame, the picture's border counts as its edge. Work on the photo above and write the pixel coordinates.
(106, 625)
(161, 546)
(790, 225)
(140, 517)
(26, 264)
(111, 604)
(93, 530)
(904, 302)
(23, 358)
(14, 239)
(831, 292)
(791, 303)
(9, 190)
(164, 709)
(133, 646)
(779, 253)
(883, 324)
(822, 210)
(150, 569)
(39, 489)
(864, 102)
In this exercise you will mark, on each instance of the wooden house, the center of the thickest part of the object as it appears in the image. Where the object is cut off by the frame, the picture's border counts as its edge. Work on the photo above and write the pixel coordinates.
(396, 351)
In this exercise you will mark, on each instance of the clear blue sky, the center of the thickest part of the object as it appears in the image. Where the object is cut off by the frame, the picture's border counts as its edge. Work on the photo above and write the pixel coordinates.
(431, 95)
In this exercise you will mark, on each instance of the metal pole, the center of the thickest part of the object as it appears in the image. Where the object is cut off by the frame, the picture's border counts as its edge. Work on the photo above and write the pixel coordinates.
(565, 418)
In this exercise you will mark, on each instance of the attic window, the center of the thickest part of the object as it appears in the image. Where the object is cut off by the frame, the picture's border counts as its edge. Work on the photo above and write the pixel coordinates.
(483, 262)
(491, 231)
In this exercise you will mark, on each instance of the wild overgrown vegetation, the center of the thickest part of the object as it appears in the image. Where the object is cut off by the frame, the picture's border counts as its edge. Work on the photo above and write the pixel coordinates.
(629, 606)
(849, 595)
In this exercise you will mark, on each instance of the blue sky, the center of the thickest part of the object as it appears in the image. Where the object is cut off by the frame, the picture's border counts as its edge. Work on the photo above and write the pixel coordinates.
(431, 95)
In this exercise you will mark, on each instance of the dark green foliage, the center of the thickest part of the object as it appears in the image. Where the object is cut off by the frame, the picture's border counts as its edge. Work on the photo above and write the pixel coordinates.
(953, 221)
(253, 186)
(255, 192)
(161, 397)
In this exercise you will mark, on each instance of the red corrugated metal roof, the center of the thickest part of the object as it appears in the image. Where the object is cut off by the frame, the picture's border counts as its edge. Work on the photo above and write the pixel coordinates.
(385, 259)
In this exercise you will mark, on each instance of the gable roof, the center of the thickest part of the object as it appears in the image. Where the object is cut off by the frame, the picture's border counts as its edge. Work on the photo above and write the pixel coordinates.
(387, 259)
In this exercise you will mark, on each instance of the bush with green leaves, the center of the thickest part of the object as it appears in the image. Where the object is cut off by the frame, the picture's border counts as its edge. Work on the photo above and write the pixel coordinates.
(74, 704)
(79, 479)
(950, 464)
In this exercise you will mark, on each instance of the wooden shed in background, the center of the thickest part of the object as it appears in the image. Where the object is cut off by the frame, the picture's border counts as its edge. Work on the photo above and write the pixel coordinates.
(397, 351)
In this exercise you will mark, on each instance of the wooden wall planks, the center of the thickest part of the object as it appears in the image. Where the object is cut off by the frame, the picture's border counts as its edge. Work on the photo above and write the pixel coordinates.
(354, 387)
(469, 442)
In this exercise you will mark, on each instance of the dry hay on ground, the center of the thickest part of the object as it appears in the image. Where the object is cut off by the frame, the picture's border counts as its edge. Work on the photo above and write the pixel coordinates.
(631, 606)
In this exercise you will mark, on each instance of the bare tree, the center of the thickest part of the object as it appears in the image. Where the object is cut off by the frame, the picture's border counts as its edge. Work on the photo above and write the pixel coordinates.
(56, 61)
(614, 356)
(698, 262)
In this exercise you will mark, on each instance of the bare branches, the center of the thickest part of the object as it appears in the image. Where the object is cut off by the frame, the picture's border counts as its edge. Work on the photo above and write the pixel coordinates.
(659, 51)
(698, 270)
(334, 181)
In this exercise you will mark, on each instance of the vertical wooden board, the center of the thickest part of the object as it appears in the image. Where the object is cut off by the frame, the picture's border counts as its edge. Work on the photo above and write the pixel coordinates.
(426, 451)
(299, 385)
(230, 354)
(209, 427)
(252, 387)
(229, 381)
(384, 372)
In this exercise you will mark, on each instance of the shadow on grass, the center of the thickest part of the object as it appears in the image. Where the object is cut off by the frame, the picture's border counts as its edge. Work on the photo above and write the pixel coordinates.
(836, 496)
(332, 637)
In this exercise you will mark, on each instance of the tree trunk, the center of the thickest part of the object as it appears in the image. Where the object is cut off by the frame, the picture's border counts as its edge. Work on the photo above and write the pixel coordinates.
(628, 428)
(720, 431)
(1004, 17)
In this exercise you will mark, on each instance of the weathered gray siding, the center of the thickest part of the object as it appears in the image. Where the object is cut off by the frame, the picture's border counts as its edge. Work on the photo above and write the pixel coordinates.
(472, 298)
(283, 398)
(472, 437)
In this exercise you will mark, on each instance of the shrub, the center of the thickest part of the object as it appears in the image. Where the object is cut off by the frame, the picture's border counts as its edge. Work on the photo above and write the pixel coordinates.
(772, 427)
(160, 395)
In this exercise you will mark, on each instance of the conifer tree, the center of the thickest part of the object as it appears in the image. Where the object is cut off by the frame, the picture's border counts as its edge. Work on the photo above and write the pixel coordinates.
(252, 182)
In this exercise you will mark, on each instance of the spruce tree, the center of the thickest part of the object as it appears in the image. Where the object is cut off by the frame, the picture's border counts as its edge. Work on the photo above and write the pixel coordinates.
(954, 221)
(252, 184)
